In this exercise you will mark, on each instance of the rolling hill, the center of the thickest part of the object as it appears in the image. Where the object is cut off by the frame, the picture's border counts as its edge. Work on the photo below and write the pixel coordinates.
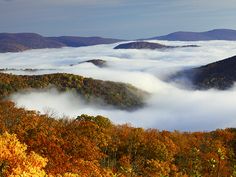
(10, 42)
(17, 42)
(219, 75)
(74, 41)
(148, 45)
(216, 34)
(120, 95)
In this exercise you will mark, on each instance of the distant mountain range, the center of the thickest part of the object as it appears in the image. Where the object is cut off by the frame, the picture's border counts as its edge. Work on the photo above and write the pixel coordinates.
(24, 41)
(71, 41)
(217, 34)
(16, 42)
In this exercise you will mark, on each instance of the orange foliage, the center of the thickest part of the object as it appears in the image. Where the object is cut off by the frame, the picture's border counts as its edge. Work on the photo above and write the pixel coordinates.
(93, 146)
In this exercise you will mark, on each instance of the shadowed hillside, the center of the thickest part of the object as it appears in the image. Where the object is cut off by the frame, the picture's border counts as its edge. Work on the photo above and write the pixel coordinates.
(219, 75)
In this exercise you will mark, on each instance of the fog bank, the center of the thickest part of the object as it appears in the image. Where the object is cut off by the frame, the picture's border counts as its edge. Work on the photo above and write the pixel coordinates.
(171, 106)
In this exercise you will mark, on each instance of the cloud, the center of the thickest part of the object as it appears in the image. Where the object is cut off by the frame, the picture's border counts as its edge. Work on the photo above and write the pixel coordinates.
(170, 107)
(66, 103)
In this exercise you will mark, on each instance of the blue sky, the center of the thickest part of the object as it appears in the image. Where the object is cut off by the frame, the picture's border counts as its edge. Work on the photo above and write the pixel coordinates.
(127, 19)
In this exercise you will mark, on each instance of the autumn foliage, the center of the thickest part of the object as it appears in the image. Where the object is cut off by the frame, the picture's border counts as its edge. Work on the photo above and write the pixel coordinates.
(93, 146)
(15, 161)
(120, 95)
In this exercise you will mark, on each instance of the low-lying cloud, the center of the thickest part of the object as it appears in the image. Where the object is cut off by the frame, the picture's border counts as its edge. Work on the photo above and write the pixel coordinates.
(170, 106)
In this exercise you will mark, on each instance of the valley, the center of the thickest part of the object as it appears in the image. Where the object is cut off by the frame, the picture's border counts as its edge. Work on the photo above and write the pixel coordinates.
(99, 111)
(117, 88)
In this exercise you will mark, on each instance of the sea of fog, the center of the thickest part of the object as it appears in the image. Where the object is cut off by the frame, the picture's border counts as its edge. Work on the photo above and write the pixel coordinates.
(171, 106)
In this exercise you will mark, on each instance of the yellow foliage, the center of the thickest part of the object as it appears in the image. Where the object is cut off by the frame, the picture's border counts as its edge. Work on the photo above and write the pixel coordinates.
(93, 147)
(16, 162)
(162, 169)
(70, 175)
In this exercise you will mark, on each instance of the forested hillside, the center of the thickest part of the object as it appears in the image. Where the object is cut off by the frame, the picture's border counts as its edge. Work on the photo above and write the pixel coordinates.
(39, 145)
(123, 96)
(94, 146)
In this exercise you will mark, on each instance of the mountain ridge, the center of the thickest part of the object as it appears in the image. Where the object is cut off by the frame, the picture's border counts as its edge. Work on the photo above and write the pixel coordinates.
(215, 34)
(77, 41)
(17, 42)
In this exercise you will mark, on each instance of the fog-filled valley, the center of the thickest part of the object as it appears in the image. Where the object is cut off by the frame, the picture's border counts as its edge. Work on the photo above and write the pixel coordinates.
(117, 88)
(171, 105)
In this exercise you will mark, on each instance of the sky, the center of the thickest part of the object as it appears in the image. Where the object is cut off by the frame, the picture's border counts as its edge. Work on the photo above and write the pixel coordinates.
(124, 19)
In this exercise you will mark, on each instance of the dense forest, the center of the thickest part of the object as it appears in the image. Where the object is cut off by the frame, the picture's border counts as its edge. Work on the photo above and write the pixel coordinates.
(32, 144)
(38, 145)
(120, 95)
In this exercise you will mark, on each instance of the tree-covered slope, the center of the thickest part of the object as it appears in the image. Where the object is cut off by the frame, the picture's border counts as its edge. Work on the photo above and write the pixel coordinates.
(220, 74)
(94, 147)
(120, 95)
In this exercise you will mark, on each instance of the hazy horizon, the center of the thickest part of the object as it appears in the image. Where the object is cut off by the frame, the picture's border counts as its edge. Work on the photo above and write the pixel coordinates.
(124, 19)
(120, 38)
